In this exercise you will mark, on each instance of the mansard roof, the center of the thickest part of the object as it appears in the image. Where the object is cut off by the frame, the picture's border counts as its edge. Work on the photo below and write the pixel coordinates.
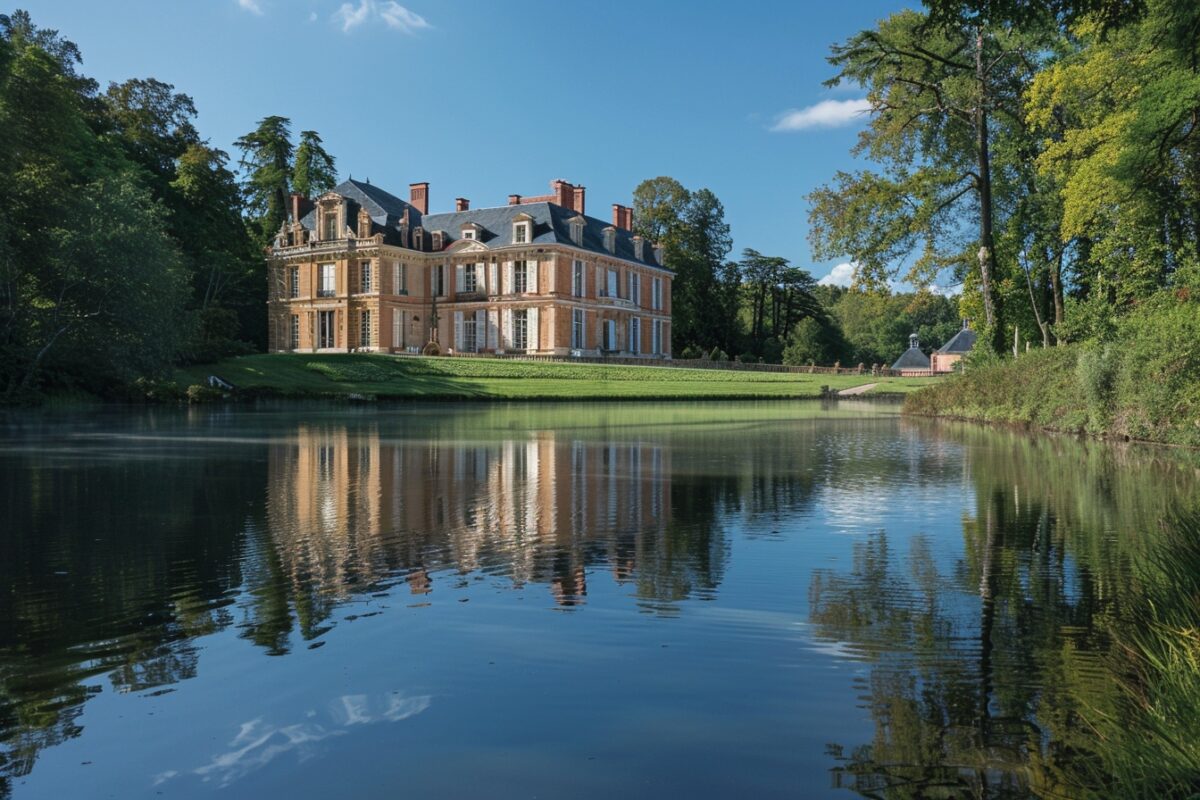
(551, 225)
(551, 222)
(385, 208)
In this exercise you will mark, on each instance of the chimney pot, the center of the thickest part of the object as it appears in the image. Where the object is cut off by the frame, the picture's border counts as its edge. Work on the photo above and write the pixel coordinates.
(462, 204)
(418, 194)
(514, 199)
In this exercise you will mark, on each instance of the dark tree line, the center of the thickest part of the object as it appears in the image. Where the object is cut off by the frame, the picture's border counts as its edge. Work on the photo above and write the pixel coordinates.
(128, 243)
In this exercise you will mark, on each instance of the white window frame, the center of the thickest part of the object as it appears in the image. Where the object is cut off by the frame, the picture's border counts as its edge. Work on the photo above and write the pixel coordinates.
(399, 278)
(635, 335)
(365, 276)
(577, 279)
(635, 288)
(578, 329)
(365, 337)
(520, 329)
(328, 285)
(612, 283)
(656, 294)
(520, 277)
(470, 279)
(294, 334)
(468, 234)
(521, 233)
(293, 281)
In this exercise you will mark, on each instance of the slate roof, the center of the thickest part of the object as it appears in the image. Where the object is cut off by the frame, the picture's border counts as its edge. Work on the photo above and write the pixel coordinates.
(912, 358)
(551, 222)
(385, 208)
(961, 342)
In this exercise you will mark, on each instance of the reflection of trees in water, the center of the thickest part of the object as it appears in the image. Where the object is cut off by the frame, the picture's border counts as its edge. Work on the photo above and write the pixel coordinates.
(121, 559)
(112, 566)
(982, 671)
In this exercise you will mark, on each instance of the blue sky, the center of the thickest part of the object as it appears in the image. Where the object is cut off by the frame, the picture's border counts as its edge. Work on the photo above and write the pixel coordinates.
(484, 99)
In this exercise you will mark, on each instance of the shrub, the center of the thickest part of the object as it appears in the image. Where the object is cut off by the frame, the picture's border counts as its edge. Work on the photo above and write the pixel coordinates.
(718, 354)
(692, 352)
(1096, 372)
(199, 393)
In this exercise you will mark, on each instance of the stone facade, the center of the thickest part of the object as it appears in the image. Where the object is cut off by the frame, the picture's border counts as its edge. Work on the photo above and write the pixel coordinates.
(358, 269)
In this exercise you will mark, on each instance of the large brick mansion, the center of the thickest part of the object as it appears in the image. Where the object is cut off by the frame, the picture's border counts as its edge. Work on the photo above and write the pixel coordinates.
(358, 269)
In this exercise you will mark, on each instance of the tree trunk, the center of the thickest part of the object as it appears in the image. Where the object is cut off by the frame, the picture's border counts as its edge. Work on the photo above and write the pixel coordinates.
(987, 256)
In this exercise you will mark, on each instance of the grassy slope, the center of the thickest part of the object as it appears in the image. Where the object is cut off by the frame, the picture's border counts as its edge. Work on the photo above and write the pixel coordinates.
(325, 375)
(1058, 389)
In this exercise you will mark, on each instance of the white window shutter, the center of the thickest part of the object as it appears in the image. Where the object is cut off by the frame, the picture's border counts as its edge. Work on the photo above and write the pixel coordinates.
(493, 330)
(507, 278)
(506, 328)
(458, 333)
(531, 275)
(532, 318)
(583, 332)
(599, 280)
(493, 284)
(479, 276)
(459, 283)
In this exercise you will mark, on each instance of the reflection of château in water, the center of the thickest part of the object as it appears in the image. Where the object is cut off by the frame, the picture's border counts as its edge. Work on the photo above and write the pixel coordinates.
(350, 509)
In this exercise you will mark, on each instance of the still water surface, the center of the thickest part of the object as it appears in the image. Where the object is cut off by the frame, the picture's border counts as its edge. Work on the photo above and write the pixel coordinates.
(548, 601)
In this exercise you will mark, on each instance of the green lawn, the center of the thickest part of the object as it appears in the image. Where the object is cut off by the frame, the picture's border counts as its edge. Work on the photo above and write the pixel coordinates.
(332, 375)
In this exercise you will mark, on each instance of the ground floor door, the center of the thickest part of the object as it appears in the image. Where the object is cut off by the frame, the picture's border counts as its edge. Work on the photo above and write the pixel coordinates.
(325, 329)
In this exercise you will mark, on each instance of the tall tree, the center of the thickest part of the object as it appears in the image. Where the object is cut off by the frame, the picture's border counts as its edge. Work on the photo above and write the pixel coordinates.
(267, 161)
(691, 228)
(942, 92)
(314, 171)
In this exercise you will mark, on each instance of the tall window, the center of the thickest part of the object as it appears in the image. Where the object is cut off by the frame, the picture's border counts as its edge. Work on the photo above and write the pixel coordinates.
(610, 334)
(520, 277)
(656, 329)
(577, 279)
(328, 280)
(399, 278)
(635, 288)
(329, 229)
(470, 279)
(470, 333)
(521, 233)
(293, 282)
(364, 329)
(577, 329)
(295, 333)
(365, 276)
(635, 335)
(520, 330)
(611, 291)
(439, 280)
(656, 293)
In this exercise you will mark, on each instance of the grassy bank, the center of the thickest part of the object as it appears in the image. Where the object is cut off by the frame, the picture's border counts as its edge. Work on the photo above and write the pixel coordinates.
(404, 377)
(1144, 384)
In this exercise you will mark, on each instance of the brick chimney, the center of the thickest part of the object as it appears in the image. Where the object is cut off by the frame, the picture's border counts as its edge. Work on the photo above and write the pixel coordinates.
(301, 205)
(418, 194)
(462, 204)
(622, 217)
(514, 199)
(577, 200)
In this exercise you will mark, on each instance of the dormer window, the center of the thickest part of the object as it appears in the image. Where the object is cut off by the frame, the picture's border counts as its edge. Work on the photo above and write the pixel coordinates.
(520, 232)
(658, 255)
(329, 224)
(468, 234)
(419, 239)
(639, 248)
(577, 231)
(610, 239)
(437, 240)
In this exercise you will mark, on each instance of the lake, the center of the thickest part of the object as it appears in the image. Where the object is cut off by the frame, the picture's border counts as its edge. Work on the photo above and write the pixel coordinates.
(635, 600)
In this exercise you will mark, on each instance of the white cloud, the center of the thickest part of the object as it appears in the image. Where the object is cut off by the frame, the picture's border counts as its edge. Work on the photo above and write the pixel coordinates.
(350, 17)
(841, 275)
(251, 5)
(391, 13)
(825, 114)
(398, 17)
(312, 17)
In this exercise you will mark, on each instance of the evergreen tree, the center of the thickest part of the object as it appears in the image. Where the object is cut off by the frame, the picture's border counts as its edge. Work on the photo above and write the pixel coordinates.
(267, 161)
(314, 172)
